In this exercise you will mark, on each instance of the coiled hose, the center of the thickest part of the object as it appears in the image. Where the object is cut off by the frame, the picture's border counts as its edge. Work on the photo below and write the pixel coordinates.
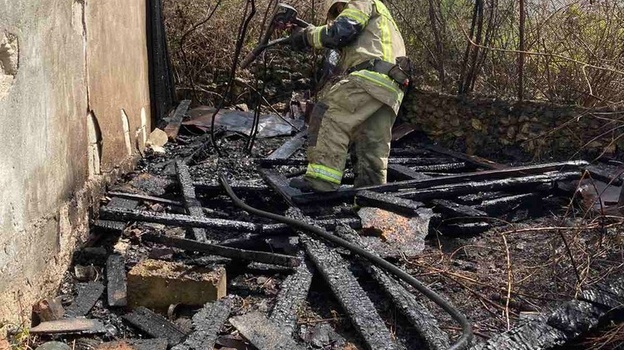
(466, 336)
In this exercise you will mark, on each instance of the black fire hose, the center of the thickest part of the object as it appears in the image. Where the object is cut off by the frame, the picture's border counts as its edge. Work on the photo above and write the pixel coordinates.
(466, 336)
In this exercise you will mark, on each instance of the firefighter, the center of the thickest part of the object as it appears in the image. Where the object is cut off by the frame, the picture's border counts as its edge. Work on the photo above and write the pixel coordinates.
(358, 109)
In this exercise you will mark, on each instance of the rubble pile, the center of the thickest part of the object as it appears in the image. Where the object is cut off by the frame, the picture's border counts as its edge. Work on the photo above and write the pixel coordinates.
(174, 263)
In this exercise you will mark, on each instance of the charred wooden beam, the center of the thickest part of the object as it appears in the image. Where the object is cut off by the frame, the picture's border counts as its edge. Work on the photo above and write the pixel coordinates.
(452, 191)
(116, 287)
(505, 204)
(140, 197)
(576, 317)
(206, 325)
(273, 162)
(464, 228)
(113, 226)
(243, 187)
(262, 333)
(401, 172)
(455, 210)
(88, 295)
(69, 326)
(450, 167)
(110, 226)
(615, 179)
(349, 193)
(155, 325)
(292, 295)
(178, 220)
(173, 127)
(478, 198)
(477, 161)
(192, 205)
(328, 224)
(387, 202)
(289, 147)
(425, 323)
(280, 184)
(233, 253)
(532, 335)
(355, 302)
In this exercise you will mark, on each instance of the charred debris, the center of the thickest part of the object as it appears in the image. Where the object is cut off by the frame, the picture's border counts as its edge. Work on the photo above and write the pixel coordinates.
(173, 262)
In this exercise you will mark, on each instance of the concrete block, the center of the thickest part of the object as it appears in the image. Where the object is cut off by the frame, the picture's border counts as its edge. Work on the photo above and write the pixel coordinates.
(157, 284)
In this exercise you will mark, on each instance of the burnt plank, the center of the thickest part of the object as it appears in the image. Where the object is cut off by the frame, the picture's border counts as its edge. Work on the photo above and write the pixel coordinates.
(416, 161)
(173, 127)
(262, 333)
(425, 323)
(475, 160)
(401, 172)
(154, 325)
(293, 293)
(387, 202)
(228, 252)
(349, 193)
(601, 174)
(450, 167)
(140, 197)
(609, 294)
(242, 187)
(328, 224)
(465, 228)
(135, 344)
(116, 286)
(69, 326)
(452, 191)
(192, 205)
(289, 147)
(118, 226)
(456, 210)
(206, 325)
(110, 226)
(280, 184)
(576, 317)
(532, 335)
(478, 198)
(88, 295)
(178, 220)
(350, 295)
(505, 204)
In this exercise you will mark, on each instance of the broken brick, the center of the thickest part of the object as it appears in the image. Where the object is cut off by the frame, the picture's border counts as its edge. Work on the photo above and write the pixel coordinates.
(158, 284)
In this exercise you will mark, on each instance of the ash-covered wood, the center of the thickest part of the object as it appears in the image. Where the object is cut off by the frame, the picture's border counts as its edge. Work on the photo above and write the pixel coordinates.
(110, 226)
(388, 202)
(69, 326)
(280, 184)
(178, 220)
(263, 334)
(116, 226)
(348, 193)
(350, 295)
(116, 287)
(173, 127)
(88, 295)
(476, 161)
(192, 205)
(273, 162)
(140, 197)
(532, 335)
(576, 317)
(135, 344)
(448, 167)
(206, 325)
(504, 204)
(155, 325)
(465, 228)
(289, 147)
(609, 295)
(516, 183)
(294, 291)
(240, 187)
(228, 252)
(401, 172)
(456, 210)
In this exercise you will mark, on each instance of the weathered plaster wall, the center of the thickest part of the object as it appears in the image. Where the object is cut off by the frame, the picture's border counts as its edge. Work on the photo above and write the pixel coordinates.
(528, 130)
(47, 182)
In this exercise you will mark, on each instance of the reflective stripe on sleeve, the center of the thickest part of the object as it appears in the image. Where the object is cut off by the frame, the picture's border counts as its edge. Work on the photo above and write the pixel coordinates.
(324, 173)
(356, 15)
(315, 36)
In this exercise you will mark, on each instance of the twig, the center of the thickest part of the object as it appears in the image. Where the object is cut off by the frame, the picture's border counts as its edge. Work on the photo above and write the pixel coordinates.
(509, 282)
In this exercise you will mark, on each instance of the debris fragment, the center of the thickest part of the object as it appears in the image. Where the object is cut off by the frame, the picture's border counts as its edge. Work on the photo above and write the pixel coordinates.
(88, 295)
(155, 325)
(49, 309)
(157, 284)
(135, 344)
(69, 326)
(116, 281)
(262, 333)
(206, 325)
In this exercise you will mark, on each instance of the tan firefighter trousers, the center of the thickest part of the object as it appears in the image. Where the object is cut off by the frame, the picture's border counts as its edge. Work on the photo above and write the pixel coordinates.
(348, 117)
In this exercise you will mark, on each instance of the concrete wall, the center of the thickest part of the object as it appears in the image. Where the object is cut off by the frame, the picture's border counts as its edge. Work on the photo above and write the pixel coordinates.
(67, 71)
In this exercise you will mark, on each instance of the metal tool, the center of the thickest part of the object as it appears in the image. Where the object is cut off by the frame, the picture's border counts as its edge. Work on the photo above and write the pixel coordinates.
(285, 16)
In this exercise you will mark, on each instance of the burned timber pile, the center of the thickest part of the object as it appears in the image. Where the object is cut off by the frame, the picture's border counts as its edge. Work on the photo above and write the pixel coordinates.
(175, 263)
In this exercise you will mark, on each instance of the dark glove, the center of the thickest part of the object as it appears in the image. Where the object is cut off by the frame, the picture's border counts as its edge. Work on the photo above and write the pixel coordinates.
(299, 41)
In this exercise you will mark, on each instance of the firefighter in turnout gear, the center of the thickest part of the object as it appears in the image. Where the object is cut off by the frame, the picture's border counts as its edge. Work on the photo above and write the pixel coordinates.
(357, 111)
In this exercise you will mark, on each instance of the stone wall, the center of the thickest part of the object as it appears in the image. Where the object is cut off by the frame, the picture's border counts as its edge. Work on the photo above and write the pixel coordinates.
(507, 130)
(74, 109)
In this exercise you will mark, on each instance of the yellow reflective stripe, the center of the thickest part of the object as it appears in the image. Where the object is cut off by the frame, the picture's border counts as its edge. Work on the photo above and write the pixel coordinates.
(315, 36)
(324, 173)
(380, 79)
(355, 14)
(383, 10)
(386, 40)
